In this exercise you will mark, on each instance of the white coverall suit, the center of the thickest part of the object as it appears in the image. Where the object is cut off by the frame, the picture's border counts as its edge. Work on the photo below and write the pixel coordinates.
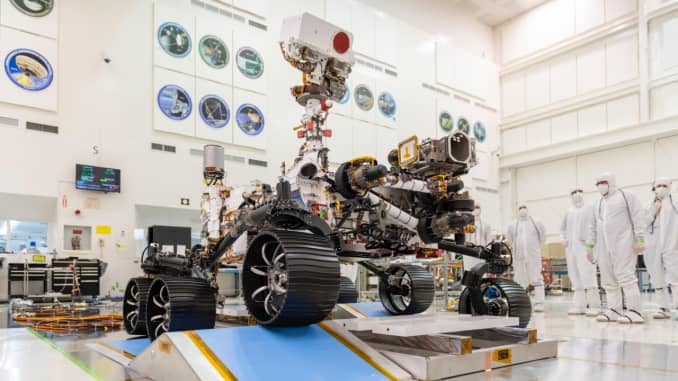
(481, 237)
(526, 236)
(617, 228)
(582, 273)
(661, 250)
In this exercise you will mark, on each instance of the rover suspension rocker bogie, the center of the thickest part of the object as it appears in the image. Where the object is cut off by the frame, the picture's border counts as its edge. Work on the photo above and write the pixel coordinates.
(490, 295)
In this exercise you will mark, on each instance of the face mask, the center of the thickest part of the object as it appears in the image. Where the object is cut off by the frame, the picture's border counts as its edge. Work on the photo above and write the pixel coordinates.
(662, 192)
(476, 212)
(577, 197)
(522, 213)
(603, 189)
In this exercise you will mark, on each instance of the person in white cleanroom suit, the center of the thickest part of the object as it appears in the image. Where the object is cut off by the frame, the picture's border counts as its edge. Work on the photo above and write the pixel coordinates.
(617, 231)
(582, 273)
(526, 236)
(661, 251)
(482, 236)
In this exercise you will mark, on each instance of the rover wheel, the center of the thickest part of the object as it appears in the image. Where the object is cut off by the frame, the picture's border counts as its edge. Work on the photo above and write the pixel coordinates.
(134, 305)
(290, 278)
(347, 291)
(503, 297)
(410, 290)
(179, 304)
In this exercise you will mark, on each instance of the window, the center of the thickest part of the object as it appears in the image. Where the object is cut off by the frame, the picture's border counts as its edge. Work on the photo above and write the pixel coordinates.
(3, 236)
(23, 236)
(196, 238)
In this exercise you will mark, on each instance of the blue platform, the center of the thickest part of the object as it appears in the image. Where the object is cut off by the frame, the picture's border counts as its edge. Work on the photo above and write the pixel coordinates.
(131, 346)
(136, 346)
(371, 309)
(309, 353)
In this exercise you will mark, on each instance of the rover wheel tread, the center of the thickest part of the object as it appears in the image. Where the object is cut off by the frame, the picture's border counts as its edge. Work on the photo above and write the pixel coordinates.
(347, 291)
(310, 287)
(179, 304)
(134, 305)
(421, 294)
(518, 300)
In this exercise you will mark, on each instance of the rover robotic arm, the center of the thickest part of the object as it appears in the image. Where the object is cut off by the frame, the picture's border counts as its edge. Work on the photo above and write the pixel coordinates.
(422, 191)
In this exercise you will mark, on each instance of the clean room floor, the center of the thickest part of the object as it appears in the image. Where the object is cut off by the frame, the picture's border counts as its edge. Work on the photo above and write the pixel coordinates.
(590, 350)
(587, 350)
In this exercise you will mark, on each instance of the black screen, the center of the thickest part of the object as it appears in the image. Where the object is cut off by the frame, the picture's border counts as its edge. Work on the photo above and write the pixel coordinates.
(97, 178)
(174, 236)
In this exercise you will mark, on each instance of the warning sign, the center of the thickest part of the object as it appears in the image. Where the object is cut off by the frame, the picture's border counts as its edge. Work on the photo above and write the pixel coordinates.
(408, 151)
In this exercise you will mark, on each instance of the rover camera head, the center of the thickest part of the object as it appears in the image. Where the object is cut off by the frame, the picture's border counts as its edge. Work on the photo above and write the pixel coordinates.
(452, 155)
(321, 50)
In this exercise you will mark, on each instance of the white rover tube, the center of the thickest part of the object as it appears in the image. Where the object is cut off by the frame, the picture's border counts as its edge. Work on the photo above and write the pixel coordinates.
(410, 185)
(395, 213)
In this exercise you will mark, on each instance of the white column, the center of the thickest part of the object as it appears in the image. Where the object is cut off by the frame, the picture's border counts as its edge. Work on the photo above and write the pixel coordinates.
(643, 63)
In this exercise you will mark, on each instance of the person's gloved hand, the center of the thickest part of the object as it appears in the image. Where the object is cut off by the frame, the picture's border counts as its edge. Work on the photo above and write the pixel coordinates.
(657, 206)
(565, 242)
(589, 254)
(639, 245)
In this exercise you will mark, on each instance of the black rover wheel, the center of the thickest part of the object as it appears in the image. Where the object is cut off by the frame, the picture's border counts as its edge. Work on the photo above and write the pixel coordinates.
(134, 305)
(503, 297)
(179, 304)
(290, 278)
(410, 290)
(347, 291)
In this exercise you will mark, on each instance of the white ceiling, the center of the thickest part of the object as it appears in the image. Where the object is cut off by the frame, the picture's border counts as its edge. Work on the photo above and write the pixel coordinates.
(495, 12)
(439, 12)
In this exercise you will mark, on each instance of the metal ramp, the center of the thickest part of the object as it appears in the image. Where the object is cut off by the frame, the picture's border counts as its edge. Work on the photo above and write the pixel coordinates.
(360, 310)
(255, 353)
(426, 347)
(441, 346)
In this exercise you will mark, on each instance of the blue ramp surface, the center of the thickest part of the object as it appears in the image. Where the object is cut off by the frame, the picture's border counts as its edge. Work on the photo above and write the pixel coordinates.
(132, 346)
(371, 309)
(298, 353)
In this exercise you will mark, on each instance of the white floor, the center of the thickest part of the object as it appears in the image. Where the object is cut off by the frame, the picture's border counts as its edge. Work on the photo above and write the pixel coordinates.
(556, 322)
(588, 350)
(24, 356)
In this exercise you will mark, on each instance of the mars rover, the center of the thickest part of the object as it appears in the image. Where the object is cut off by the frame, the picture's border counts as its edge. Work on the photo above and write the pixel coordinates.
(318, 218)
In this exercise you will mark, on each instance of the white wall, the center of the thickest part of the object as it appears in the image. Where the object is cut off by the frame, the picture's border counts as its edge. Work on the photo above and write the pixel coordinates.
(555, 22)
(574, 74)
(442, 19)
(663, 34)
(592, 119)
(111, 106)
(598, 93)
(545, 187)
